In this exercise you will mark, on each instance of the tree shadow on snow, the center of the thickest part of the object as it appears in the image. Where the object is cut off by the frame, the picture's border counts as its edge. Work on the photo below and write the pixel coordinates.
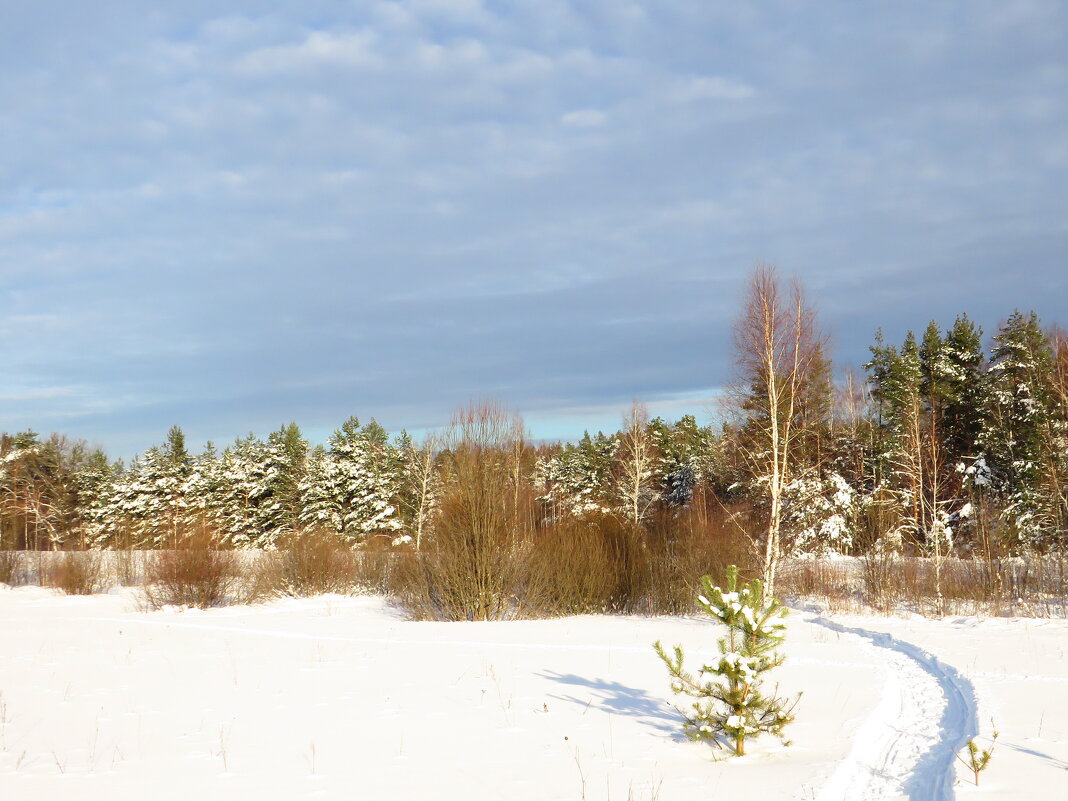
(1059, 763)
(619, 699)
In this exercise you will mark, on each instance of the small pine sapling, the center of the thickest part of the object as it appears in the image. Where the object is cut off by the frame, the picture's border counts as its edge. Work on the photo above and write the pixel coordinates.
(978, 758)
(730, 703)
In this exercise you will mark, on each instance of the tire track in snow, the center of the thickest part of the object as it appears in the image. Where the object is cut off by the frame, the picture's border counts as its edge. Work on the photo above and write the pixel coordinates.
(906, 748)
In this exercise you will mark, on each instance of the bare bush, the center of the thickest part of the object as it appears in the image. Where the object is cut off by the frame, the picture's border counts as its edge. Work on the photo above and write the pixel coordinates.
(571, 571)
(12, 568)
(196, 573)
(471, 568)
(683, 546)
(76, 572)
(315, 563)
(884, 585)
(831, 583)
(128, 567)
(606, 563)
(375, 564)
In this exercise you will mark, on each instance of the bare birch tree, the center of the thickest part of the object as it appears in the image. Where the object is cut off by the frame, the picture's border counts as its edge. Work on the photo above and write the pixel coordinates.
(419, 485)
(635, 462)
(776, 348)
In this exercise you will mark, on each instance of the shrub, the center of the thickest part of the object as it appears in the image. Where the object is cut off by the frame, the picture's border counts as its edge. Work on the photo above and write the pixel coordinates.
(374, 564)
(76, 572)
(315, 563)
(570, 571)
(472, 565)
(196, 573)
(128, 566)
(684, 546)
(12, 568)
(831, 582)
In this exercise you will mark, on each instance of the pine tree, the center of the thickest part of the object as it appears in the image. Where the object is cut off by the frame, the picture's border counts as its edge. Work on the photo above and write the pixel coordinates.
(1017, 424)
(578, 479)
(902, 392)
(289, 453)
(94, 485)
(245, 498)
(684, 450)
(148, 503)
(351, 487)
(204, 491)
(962, 417)
(819, 513)
(730, 700)
(318, 502)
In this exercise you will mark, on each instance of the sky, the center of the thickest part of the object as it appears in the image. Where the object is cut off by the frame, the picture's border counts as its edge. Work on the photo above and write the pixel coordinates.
(228, 215)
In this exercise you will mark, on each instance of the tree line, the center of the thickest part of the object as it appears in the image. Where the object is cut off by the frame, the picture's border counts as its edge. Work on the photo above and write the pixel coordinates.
(940, 446)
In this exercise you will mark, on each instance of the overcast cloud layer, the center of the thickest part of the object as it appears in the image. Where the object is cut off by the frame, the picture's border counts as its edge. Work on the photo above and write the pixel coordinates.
(227, 217)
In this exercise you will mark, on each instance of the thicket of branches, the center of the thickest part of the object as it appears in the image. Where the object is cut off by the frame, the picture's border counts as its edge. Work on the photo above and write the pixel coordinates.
(942, 449)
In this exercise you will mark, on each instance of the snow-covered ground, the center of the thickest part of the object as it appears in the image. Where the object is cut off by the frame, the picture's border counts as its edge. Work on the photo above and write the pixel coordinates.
(340, 697)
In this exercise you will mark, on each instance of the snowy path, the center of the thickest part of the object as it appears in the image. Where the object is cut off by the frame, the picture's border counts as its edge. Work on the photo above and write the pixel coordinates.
(905, 749)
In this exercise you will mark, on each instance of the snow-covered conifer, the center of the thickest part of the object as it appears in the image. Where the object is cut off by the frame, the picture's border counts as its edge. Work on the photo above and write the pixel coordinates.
(730, 700)
(577, 480)
(350, 487)
(1018, 421)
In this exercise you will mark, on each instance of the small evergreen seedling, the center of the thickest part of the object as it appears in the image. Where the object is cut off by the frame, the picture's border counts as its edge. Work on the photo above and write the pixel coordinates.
(978, 759)
(730, 703)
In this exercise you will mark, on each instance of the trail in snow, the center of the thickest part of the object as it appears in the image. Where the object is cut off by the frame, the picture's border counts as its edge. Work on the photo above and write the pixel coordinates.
(906, 748)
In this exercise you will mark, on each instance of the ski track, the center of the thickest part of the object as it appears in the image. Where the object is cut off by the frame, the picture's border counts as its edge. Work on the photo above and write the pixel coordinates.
(907, 747)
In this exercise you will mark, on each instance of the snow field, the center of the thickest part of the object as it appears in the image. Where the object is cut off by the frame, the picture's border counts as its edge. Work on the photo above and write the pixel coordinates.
(342, 698)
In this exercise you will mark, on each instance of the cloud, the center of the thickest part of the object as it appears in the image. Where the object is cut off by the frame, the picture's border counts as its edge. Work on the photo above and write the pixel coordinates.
(45, 393)
(710, 87)
(227, 216)
(316, 50)
(584, 118)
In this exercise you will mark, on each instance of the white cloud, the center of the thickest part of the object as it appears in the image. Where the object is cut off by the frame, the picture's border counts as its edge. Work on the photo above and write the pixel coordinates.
(583, 118)
(45, 393)
(464, 53)
(710, 87)
(470, 10)
(317, 49)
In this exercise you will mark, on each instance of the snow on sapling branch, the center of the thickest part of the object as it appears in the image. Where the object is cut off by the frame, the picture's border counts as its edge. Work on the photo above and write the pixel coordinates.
(730, 702)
